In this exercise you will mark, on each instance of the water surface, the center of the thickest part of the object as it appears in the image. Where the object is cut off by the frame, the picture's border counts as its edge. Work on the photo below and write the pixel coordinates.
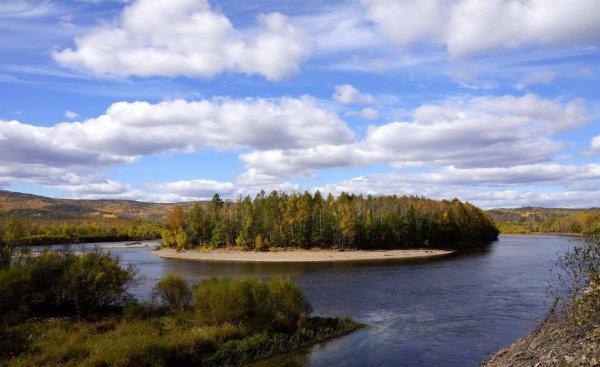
(450, 311)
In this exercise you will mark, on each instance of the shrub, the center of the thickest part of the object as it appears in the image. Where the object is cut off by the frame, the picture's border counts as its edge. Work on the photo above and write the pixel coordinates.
(173, 291)
(250, 301)
(226, 300)
(577, 281)
(15, 283)
(287, 301)
(95, 281)
(58, 283)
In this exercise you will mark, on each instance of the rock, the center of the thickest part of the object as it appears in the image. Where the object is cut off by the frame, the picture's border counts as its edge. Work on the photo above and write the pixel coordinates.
(552, 354)
(533, 345)
(519, 355)
(569, 359)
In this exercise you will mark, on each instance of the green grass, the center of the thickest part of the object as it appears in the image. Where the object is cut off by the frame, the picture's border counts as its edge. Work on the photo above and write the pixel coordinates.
(156, 341)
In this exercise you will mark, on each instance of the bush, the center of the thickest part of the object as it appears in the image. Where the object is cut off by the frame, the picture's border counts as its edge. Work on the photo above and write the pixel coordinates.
(15, 283)
(94, 281)
(577, 281)
(287, 302)
(61, 283)
(253, 302)
(173, 291)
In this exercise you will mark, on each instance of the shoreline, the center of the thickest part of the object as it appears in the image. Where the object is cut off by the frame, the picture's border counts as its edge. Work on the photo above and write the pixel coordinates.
(536, 234)
(300, 256)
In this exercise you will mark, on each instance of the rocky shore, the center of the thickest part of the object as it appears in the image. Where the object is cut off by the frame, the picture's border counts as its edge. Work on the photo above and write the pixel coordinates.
(557, 342)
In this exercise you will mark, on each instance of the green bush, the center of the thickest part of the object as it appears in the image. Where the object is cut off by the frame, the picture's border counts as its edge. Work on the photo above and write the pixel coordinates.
(174, 291)
(62, 283)
(253, 302)
(95, 281)
(286, 301)
(15, 283)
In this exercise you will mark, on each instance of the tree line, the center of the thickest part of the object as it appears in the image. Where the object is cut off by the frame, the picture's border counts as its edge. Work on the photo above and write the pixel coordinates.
(311, 220)
(546, 220)
(16, 231)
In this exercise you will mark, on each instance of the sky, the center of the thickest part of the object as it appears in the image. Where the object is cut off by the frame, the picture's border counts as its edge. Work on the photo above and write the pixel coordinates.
(494, 102)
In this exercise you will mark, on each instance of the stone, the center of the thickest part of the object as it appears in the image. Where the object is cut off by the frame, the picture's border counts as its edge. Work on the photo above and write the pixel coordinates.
(552, 354)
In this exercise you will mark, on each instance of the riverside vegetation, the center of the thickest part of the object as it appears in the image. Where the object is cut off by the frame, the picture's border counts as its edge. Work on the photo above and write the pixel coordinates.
(570, 334)
(59, 308)
(348, 221)
(530, 220)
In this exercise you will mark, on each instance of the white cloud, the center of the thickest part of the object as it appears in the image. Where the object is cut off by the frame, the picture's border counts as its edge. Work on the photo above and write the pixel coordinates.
(369, 113)
(305, 162)
(339, 28)
(187, 37)
(469, 26)
(26, 9)
(486, 197)
(347, 94)
(71, 115)
(482, 132)
(595, 145)
(130, 130)
(537, 77)
(200, 188)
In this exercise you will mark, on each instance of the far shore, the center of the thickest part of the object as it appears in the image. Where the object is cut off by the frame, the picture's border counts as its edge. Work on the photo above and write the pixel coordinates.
(295, 255)
(533, 234)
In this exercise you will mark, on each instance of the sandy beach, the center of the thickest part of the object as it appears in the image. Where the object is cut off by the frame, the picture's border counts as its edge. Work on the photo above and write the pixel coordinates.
(129, 245)
(299, 255)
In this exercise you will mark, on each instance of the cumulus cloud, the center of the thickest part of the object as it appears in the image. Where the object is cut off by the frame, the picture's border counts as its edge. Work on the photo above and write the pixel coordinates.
(369, 113)
(187, 37)
(469, 26)
(347, 94)
(481, 195)
(200, 188)
(480, 132)
(127, 131)
(306, 162)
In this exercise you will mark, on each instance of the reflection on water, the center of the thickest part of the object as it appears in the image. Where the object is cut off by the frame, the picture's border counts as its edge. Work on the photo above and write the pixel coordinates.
(442, 312)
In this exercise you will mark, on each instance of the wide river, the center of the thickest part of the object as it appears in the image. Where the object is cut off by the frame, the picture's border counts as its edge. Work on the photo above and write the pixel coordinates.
(451, 311)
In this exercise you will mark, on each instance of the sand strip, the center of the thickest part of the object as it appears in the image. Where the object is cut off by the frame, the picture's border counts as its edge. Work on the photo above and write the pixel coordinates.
(299, 255)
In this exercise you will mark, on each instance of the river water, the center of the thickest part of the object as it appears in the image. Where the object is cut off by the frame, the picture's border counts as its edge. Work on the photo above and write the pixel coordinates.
(450, 311)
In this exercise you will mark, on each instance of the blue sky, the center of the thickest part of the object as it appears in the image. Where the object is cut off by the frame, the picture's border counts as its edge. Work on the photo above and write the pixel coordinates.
(494, 102)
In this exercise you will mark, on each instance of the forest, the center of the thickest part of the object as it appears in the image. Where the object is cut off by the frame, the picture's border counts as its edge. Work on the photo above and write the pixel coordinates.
(531, 220)
(306, 220)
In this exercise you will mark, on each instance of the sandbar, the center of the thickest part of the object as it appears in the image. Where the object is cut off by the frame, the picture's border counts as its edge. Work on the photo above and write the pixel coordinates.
(299, 255)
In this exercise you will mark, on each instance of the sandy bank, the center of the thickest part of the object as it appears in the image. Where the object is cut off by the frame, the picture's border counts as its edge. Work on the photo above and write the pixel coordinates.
(299, 255)
(129, 245)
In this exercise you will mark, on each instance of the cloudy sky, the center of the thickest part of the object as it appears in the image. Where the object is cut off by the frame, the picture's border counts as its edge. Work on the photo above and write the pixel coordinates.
(495, 102)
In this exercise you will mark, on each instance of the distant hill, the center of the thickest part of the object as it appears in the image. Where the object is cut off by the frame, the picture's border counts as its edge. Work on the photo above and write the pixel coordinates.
(34, 206)
(545, 220)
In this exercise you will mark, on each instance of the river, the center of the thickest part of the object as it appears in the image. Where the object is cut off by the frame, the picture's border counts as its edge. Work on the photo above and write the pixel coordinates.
(451, 311)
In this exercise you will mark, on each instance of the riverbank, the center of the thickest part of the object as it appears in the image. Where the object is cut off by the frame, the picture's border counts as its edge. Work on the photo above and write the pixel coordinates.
(296, 255)
(534, 234)
(165, 340)
(555, 343)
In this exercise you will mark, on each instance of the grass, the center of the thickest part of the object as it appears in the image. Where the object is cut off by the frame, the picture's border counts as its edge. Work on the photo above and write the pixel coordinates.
(177, 339)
